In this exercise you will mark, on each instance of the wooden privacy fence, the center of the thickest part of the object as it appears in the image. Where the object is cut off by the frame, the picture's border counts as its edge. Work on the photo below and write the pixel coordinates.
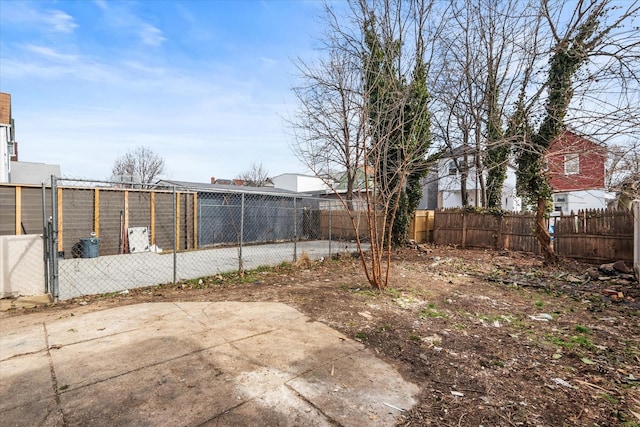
(593, 235)
(510, 231)
(106, 211)
(596, 235)
(336, 223)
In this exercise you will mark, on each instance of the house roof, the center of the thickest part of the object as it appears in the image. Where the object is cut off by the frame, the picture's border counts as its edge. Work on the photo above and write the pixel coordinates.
(218, 188)
(583, 136)
(302, 175)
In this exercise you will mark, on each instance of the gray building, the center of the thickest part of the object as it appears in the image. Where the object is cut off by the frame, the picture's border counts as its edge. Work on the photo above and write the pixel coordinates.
(32, 173)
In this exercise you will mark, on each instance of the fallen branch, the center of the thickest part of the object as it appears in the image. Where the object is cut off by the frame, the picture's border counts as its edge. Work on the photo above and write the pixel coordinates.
(594, 386)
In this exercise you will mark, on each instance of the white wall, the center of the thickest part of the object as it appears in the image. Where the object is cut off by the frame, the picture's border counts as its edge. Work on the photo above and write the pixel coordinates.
(449, 186)
(298, 183)
(4, 153)
(32, 173)
(579, 200)
(21, 265)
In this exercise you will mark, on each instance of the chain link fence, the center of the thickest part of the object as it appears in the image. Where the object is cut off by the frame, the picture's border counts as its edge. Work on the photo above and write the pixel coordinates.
(108, 237)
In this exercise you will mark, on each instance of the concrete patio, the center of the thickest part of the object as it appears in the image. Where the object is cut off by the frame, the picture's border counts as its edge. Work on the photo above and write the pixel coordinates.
(192, 364)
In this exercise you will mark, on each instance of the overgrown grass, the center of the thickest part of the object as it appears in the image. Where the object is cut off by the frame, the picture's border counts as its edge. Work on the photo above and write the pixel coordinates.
(432, 312)
(571, 342)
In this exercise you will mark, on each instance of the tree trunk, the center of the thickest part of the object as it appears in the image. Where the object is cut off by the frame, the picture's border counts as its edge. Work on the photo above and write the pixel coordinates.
(543, 234)
(464, 195)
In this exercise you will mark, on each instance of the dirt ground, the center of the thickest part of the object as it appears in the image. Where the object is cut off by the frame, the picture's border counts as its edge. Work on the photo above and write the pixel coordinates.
(491, 338)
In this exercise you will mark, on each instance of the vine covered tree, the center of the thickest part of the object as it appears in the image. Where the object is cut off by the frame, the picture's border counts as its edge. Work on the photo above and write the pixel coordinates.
(593, 36)
(364, 110)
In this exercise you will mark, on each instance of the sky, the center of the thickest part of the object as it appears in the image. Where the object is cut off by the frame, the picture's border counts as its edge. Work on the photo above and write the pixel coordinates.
(205, 84)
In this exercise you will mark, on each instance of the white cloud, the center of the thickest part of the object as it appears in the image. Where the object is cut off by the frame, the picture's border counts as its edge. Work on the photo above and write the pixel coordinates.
(151, 35)
(268, 62)
(61, 21)
(50, 53)
(123, 18)
(48, 20)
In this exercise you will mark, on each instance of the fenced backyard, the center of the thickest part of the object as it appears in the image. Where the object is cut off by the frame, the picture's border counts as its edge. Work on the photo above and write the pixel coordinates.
(103, 238)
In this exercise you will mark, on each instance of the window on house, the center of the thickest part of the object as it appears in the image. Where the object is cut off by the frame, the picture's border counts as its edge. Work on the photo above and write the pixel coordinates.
(453, 170)
(571, 164)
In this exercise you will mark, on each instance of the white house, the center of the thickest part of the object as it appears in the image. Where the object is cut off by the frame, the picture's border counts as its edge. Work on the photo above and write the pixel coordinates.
(449, 188)
(299, 183)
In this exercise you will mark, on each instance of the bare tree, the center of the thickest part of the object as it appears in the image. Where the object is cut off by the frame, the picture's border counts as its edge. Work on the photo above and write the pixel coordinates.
(362, 112)
(328, 126)
(623, 172)
(481, 58)
(255, 176)
(139, 165)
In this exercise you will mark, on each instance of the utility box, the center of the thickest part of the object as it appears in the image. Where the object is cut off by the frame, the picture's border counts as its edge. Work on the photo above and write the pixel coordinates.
(89, 247)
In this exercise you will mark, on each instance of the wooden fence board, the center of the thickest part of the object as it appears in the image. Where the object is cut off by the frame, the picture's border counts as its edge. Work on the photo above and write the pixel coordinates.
(421, 228)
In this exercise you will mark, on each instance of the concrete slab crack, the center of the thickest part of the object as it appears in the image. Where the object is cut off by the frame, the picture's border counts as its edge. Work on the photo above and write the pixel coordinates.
(54, 379)
(330, 420)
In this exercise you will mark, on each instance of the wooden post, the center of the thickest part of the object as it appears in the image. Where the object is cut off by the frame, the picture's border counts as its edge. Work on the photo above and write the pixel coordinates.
(414, 225)
(18, 224)
(152, 232)
(188, 231)
(96, 211)
(499, 244)
(464, 229)
(195, 220)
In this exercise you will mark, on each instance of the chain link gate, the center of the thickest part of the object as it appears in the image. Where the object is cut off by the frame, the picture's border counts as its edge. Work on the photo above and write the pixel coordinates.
(109, 237)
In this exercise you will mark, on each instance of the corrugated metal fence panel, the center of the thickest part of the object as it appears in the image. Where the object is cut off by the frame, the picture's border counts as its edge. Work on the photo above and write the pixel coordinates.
(32, 210)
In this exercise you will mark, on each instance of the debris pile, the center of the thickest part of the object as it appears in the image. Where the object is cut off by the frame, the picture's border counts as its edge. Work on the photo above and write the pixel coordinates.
(615, 275)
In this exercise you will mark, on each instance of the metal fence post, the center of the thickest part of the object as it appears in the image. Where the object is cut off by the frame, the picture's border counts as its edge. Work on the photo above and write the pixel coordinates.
(175, 243)
(241, 237)
(45, 239)
(54, 283)
(330, 209)
(295, 231)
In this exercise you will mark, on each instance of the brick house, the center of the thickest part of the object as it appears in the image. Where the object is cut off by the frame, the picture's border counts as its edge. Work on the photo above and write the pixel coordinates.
(575, 165)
